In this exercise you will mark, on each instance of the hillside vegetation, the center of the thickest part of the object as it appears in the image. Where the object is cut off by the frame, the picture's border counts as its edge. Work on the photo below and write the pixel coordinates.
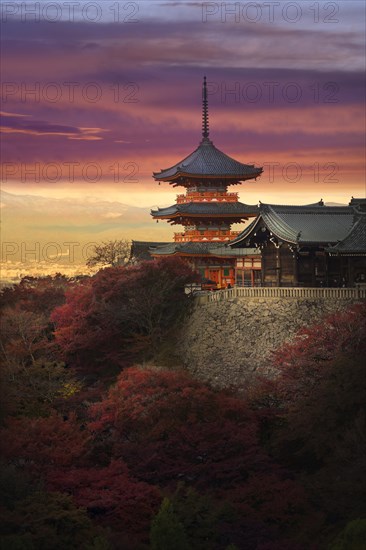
(108, 444)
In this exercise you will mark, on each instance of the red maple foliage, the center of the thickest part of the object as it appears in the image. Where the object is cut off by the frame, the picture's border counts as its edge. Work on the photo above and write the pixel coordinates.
(305, 362)
(37, 294)
(169, 427)
(122, 313)
(110, 496)
(314, 411)
(40, 444)
(302, 364)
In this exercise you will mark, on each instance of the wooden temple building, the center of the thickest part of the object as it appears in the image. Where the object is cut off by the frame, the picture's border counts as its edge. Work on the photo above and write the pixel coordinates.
(311, 245)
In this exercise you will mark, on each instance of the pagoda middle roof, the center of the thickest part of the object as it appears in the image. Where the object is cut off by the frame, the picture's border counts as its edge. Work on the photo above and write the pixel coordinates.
(309, 224)
(208, 161)
(213, 208)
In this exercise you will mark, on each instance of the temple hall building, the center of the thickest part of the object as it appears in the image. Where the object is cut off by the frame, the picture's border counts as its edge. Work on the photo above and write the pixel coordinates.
(284, 245)
(311, 246)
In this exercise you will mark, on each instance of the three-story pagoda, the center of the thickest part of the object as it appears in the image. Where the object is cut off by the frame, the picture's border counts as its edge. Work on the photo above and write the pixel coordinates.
(207, 210)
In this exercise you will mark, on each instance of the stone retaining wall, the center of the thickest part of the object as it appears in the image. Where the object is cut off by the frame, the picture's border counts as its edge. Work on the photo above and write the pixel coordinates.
(226, 341)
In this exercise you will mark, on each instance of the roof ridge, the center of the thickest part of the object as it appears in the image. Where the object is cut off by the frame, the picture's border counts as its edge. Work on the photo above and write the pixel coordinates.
(284, 226)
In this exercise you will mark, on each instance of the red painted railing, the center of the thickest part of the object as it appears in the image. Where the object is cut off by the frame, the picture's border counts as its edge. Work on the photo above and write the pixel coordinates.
(207, 197)
(205, 236)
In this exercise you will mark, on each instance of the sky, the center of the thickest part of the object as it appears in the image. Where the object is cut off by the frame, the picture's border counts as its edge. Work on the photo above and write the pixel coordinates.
(98, 95)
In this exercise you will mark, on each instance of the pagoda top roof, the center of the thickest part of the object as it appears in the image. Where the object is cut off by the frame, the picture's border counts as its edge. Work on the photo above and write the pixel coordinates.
(196, 209)
(208, 161)
(308, 224)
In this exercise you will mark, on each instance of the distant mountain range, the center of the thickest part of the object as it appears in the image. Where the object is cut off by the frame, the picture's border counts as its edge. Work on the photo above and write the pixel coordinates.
(32, 216)
(87, 206)
(45, 235)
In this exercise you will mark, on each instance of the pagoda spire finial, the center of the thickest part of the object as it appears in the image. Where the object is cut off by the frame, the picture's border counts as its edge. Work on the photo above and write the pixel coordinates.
(205, 129)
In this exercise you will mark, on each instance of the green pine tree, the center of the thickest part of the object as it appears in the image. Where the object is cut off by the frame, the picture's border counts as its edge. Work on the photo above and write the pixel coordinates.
(167, 532)
(353, 536)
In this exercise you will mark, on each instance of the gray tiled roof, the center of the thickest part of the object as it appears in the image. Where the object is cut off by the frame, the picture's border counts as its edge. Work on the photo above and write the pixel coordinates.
(357, 201)
(140, 249)
(209, 161)
(206, 208)
(199, 248)
(188, 248)
(309, 224)
(355, 241)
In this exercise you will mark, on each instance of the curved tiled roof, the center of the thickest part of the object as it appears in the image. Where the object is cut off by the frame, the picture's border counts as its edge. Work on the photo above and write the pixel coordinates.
(199, 249)
(214, 208)
(207, 160)
(303, 224)
(187, 248)
(355, 240)
(141, 249)
(358, 202)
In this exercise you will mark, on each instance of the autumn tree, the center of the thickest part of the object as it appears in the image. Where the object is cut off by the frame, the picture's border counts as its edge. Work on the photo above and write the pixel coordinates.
(48, 520)
(55, 453)
(112, 498)
(42, 443)
(122, 314)
(307, 361)
(31, 381)
(316, 412)
(110, 254)
(33, 518)
(39, 295)
(170, 428)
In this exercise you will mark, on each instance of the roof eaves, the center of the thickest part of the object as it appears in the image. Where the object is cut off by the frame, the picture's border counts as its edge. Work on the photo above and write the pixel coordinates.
(246, 232)
(278, 226)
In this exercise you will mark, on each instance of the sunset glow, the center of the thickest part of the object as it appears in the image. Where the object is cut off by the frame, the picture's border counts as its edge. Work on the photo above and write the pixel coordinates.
(94, 102)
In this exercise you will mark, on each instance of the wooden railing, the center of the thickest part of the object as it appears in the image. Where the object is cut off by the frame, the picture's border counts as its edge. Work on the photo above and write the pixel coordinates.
(278, 292)
(207, 197)
(207, 236)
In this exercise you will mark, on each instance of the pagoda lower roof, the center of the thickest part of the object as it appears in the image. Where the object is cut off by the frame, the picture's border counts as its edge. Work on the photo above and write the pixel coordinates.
(140, 250)
(208, 161)
(207, 209)
(146, 250)
(200, 249)
(301, 225)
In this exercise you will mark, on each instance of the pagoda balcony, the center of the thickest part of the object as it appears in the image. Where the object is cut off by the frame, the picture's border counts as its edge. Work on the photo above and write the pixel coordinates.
(205, 236)
(207, 197)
